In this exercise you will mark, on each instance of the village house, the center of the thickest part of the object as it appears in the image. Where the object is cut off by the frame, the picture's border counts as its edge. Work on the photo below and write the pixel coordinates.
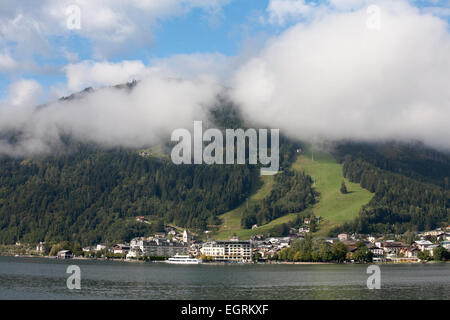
(371, 239)
(431, 248)
(376, 251)
(100, 247)
(64, 254)
(446, 245)
(141, 219)
(120, 248)
(390, 247)
(304, 230)
(422, 244)
(410, 252)
(134, 253)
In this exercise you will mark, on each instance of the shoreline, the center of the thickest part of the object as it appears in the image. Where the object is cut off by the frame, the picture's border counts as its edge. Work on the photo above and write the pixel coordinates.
(225, 263)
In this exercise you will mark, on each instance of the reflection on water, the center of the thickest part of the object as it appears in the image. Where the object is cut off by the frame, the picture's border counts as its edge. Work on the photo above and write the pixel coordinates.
(35, 278)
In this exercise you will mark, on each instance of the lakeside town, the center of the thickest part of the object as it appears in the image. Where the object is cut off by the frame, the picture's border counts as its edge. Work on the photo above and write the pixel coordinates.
(297, 247)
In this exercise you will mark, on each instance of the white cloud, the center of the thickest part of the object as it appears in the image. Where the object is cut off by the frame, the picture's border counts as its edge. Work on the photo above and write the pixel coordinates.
(111, 26)
(24, 95)
(209, 67)
(97, 74)
(24, 92)
(111, 117)
(335, 78)
(7, 63)
(349, 4)
(281, 11)
(332, 77)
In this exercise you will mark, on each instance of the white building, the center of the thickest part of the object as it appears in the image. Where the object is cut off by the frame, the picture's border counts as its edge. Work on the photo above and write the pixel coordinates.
(431, 248)
(446, 245)
(65, 254)
(100, 247)
(120, 248)
(134, 254)
(234, 251)
(423, 244)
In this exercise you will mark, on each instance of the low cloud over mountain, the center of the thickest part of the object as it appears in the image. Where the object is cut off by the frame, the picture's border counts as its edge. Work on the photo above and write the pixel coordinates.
(336, 74)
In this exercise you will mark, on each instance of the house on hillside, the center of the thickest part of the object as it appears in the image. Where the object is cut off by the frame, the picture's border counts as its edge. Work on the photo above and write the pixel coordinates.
(141, 219)
(343, 237)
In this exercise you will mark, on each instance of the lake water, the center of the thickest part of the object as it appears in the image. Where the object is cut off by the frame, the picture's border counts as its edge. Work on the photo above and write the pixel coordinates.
(40, 278)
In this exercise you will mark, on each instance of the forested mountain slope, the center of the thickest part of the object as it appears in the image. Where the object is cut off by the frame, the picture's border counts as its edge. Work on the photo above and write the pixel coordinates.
(410, 183)
(89, 195)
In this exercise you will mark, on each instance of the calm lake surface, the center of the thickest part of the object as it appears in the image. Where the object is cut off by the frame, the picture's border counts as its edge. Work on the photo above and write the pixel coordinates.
(41, 278)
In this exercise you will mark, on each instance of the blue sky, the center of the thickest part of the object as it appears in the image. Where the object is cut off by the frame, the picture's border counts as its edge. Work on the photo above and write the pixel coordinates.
(198, 28)
(192, 32)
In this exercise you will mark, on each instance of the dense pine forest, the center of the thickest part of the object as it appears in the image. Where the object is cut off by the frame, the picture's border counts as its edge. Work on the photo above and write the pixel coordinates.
(93, 195)
(410, 183)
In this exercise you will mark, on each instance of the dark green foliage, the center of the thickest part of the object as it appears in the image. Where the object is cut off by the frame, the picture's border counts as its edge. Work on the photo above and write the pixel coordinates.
(313, 250)
(441, 254)
(279, 230)
(93, 195)
(400, 203)
(412, 160)
(291, 193)
(362, 253)
(343, 188)
(424, 255)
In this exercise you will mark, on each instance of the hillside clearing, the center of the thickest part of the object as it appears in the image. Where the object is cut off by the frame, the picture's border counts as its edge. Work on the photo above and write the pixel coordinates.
(333, 207)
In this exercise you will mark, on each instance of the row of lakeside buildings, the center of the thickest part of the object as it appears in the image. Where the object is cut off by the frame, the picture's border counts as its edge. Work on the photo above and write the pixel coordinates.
(235, 250)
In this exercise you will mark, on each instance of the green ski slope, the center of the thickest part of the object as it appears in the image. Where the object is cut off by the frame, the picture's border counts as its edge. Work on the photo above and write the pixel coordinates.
(333, 207)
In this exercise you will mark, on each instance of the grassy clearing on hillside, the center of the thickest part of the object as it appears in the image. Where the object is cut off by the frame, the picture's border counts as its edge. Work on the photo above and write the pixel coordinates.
(333, 206)
(231, 221)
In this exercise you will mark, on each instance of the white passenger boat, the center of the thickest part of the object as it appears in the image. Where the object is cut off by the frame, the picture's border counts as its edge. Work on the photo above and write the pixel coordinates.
(179, 259)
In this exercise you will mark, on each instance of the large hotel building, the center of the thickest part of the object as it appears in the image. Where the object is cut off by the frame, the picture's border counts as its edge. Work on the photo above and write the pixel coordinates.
(231, 251)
